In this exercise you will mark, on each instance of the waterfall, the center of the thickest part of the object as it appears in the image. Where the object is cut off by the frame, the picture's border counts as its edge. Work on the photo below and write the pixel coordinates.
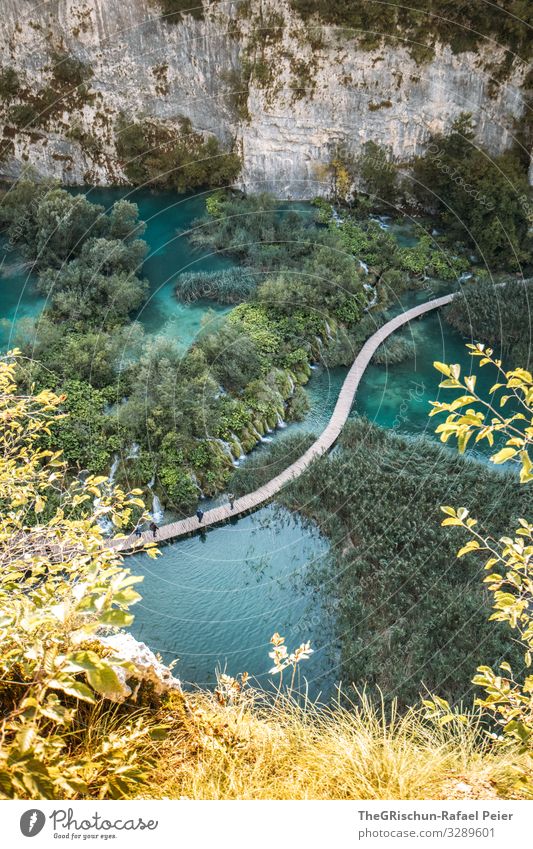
(238, 443)
(336, 217)
(382, 220)
(226, 448)
(197, 485)
(113, 470)
(328, 330)
(466, 275)
(279, 421)
(291, 385)
(363, 266)
(157, 510)
(157, 513)
(134, 451)
(259, 437)
(104, 523)
(368, 288)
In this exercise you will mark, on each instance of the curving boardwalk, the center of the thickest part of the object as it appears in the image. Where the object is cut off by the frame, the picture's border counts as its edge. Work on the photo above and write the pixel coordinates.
(325, 441)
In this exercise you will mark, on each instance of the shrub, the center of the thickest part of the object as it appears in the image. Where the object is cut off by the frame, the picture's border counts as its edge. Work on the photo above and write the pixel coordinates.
(61, 586)
(9, 83)
(159, 154)
(230, 286)
(173, 11)
(70, 70)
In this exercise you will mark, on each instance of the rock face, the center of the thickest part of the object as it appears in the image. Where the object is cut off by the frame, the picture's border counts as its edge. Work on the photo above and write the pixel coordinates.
(253, 74)
(147, 668)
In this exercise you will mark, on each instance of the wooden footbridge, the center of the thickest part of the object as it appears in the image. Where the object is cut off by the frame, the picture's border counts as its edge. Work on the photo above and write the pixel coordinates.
(325, 441)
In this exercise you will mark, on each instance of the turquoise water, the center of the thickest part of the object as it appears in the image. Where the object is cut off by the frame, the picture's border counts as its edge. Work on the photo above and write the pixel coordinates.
(167, 217)
(214, 601)
(192, 593)
(18, 295)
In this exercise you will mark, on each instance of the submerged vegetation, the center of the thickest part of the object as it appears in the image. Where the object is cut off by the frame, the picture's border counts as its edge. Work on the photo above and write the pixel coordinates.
(230, 286)
(407, 615)
(496, 314)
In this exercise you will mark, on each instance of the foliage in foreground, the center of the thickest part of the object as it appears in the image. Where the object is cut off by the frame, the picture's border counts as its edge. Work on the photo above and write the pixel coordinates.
(249, 749)
(60, 588)
(508, 559)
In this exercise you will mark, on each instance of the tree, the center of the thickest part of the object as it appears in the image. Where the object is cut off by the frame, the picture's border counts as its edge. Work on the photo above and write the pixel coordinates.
(377, 170)
(508, 699)
(60, 585)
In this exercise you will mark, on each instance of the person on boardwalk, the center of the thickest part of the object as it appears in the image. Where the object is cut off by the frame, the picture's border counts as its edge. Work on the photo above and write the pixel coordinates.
(154, 529)
(138, 533)
(199, 514)
(231, 499)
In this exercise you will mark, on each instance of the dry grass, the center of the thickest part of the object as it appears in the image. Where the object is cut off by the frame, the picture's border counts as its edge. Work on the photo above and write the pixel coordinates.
(253, 751)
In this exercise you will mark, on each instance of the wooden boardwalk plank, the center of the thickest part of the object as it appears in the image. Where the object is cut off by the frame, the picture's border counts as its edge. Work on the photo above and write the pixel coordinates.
(323, 443)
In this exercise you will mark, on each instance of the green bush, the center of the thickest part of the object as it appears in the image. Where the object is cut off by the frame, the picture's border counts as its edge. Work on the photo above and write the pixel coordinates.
(173, 11)
(9, 83)
(159, 154)
(70, 70)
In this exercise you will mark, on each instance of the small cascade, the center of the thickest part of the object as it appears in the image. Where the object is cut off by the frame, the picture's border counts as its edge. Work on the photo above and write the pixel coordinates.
(291, 385)
(328, 330)
(336, 217)
(226, 447)
(113, 470)
(466, 275)
(279, 421)
(104, 523)
(157, 510)
(197, 485)
(157, 513)
(134, 451)
(382, 220)
(363, 266)
(373, 301)
(238, 443)
(258, 436)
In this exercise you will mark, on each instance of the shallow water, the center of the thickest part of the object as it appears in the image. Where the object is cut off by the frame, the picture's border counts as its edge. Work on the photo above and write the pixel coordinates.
(215, 600)
(18, 294)
(168, 217)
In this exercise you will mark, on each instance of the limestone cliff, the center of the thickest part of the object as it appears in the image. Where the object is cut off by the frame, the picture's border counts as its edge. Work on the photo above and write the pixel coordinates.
(282, 92)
